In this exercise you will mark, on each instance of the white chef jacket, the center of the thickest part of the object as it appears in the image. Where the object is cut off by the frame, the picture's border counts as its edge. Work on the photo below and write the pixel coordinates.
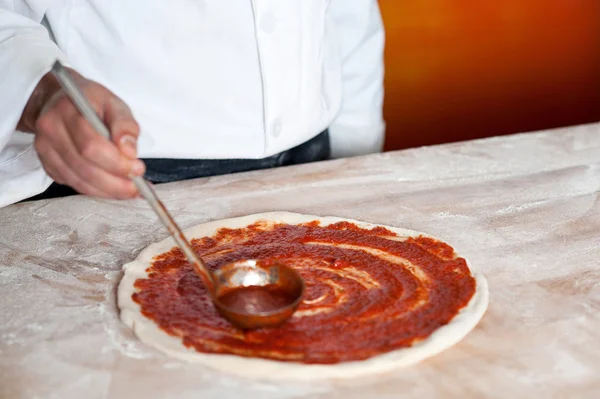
(205, 79)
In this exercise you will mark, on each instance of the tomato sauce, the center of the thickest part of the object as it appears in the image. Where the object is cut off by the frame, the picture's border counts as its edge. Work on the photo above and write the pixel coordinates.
(366, 293)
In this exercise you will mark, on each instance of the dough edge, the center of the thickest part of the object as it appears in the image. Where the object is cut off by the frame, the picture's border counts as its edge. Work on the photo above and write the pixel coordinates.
(150, 334)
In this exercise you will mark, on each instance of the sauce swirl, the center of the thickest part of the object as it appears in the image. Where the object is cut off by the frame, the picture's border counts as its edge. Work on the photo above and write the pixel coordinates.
(368, 292)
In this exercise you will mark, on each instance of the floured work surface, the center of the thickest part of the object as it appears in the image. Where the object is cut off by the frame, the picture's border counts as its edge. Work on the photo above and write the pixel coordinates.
(524, 209)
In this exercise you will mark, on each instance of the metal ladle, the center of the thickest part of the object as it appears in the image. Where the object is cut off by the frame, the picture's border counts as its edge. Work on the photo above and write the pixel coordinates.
(249, 294)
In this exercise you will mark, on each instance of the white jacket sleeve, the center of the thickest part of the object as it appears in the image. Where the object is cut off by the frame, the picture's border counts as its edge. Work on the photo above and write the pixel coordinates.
(26, 54)
(359, 128)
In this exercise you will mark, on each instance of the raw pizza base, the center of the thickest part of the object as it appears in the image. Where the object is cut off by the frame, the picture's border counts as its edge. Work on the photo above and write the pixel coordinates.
(148, 332)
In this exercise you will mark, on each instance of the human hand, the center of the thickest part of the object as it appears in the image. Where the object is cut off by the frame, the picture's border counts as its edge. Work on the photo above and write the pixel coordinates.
(71, 151)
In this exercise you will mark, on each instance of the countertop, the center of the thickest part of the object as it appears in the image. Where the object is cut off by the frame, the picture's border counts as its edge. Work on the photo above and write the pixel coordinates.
(523, 209)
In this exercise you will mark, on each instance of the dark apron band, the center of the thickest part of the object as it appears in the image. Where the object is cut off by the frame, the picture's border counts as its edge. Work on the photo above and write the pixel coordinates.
(169, 170)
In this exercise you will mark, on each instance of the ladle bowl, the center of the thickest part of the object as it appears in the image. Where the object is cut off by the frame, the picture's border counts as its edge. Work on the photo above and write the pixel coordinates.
(253, 294)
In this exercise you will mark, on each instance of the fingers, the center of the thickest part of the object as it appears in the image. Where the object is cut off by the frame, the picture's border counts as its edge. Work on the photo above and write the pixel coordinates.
(57, 169)
(66, 166)
(123, 127)
(74, 154)
(89, 143)
(99, 151)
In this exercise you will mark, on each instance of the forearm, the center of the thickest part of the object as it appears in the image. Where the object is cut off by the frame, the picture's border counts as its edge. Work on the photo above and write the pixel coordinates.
(47, 87)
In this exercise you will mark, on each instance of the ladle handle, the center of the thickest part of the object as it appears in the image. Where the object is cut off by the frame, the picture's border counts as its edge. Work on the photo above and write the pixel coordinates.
(81, 103)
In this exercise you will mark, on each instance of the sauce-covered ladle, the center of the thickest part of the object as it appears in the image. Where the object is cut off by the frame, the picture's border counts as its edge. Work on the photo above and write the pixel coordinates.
(248, 293)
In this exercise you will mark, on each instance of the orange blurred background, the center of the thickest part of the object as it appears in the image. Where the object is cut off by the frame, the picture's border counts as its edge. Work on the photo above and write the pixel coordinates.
(463, 69)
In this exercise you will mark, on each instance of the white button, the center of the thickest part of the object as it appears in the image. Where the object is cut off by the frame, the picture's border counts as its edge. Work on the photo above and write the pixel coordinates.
(325, 102)
(268, 23)
(276, 128)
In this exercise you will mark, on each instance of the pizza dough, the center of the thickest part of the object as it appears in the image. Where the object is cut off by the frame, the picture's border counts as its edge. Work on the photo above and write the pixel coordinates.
(149, 332)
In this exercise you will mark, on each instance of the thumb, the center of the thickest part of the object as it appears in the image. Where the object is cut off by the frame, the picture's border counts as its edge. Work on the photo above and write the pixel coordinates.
(124, 129)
